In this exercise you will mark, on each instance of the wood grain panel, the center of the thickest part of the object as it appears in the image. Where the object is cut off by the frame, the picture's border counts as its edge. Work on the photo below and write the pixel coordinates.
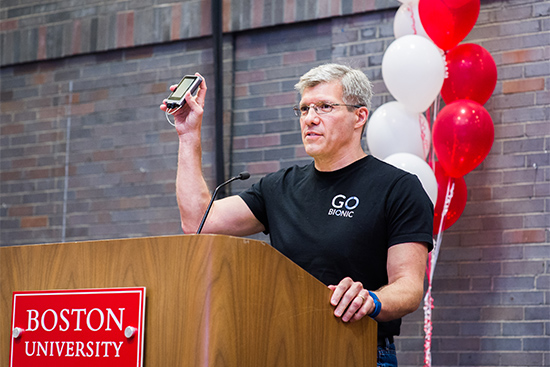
(211, 300)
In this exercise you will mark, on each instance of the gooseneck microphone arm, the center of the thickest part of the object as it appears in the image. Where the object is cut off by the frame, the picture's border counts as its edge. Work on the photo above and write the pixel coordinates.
(242, 176)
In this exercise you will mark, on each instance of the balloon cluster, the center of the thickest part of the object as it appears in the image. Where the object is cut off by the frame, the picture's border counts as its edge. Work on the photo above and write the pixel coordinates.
(423, 63)
(426, 62)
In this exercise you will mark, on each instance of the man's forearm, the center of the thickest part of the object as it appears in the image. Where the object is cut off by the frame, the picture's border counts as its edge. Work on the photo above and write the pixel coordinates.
(191, 189)
(399, 299)
(406, 267)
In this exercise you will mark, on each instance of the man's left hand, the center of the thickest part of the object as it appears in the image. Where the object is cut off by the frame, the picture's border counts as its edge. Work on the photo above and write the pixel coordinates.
(351, 300)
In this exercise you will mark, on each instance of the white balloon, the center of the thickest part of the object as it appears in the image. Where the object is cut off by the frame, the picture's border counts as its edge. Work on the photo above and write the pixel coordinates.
(417, 166)
(407, 21)
(413, 70)
(394, 129)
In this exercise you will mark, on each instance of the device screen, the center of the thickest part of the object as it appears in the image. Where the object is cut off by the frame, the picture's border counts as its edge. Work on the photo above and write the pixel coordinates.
(182, 88)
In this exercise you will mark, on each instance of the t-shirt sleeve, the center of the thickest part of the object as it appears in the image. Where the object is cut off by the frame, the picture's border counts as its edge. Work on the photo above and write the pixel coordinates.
(255, 200)
(409, 212)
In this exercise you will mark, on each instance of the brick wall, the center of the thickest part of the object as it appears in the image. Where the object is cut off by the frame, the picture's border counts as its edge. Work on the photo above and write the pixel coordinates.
(32, 30)
(86, 154)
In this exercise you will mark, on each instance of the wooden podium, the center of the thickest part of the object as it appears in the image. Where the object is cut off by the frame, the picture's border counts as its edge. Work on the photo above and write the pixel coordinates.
(211, 300)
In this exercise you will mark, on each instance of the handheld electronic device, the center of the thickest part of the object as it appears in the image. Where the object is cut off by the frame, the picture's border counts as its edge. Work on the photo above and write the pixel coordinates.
(177, 97)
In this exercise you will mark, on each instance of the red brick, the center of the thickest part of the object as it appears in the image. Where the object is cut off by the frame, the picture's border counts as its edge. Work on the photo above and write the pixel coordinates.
(96, 95)
(8, 25)
(176, 22)
(522, 85)
(262, 168)
(82, 108)
(42, 31)
(257, 13)
(119, 166)
(24, 163)
(20, 211)
(290, 11)
(521, 56)
(60, 171)
(10, 175)
(247, 51)
(299, 57)
(168, 136)
(104, 155)
(41, 78)
(130, 203)
(10, 106)
(125, 29)
(129, 29)
(241, 91)
(284, 99)
(323, 8)
(524, 236)
(205, 18)
(133, 177)
(239, 143)
(51, 113)
(154, 88)
(363, 5)
(226, 15)
(264, 141)
(132, 152)
(34, 222)
(53, 136)
(38, 173)
(12, 129)
(244, 77)
(76, 41)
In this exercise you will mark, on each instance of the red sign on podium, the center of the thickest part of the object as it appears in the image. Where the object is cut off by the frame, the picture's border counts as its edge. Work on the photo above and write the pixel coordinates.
(84, 327)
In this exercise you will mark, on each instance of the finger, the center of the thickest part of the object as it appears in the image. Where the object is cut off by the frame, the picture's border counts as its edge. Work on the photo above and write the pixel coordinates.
(201, 93)
(173, 87)
(348, 300)
(365, 307)
(339, 290)
(356, 309)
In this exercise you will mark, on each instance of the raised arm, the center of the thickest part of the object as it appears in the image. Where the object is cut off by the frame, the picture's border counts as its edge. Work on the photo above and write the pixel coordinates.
(227, 216)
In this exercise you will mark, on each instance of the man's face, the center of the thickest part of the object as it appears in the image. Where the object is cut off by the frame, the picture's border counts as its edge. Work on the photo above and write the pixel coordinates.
(327, 136)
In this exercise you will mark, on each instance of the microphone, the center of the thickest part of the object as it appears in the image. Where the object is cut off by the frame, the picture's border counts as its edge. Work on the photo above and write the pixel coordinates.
(242, 176)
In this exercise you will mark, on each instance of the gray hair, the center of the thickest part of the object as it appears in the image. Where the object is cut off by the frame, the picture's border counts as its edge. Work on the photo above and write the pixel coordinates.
(357, 88)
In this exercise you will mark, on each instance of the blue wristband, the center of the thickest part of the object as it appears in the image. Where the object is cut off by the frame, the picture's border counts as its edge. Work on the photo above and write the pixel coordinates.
(377, 305)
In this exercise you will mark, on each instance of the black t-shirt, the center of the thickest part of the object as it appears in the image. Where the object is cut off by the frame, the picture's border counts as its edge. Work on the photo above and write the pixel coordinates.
(341, 223)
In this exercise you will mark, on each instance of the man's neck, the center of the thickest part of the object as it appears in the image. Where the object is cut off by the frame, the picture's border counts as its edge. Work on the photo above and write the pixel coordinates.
(330, 165)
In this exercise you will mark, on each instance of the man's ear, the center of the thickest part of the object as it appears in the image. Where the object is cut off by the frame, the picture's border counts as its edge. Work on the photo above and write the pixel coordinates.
(362, 117)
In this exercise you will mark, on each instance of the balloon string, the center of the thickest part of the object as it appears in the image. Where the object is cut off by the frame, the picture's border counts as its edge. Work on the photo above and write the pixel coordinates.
(410, 9)
(428, 327)
(424, 136)
(430, 268)
(434, 111)
(448, 198)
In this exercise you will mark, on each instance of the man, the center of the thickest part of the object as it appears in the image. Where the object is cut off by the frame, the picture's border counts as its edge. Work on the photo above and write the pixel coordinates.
(359, 225)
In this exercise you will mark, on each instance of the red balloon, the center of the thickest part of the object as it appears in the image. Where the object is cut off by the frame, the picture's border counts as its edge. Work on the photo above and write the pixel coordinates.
(447, 22)
(462, 136)
(457, 202)
(472, 74)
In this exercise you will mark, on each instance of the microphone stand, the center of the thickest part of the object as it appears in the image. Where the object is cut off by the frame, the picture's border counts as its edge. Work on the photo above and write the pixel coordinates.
(242, 176)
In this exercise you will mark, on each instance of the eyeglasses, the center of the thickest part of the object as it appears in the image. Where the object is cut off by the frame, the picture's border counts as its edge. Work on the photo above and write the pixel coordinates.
(320, 108)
